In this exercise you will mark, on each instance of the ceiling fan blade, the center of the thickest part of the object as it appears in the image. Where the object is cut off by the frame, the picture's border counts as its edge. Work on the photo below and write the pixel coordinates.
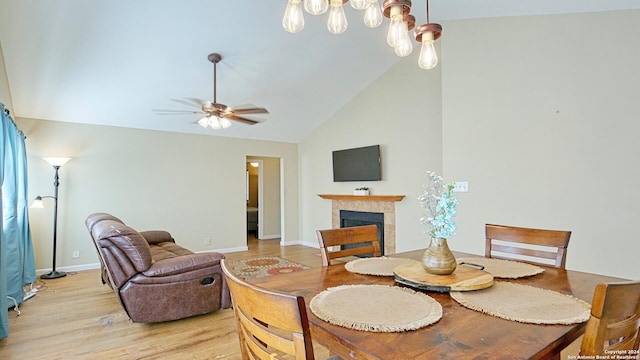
(189, 102)
(243, 119)
(175, 112)
(254, 110)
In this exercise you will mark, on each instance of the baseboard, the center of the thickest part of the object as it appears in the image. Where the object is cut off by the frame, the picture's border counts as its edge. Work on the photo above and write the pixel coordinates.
(227, 250)
(301, 242)
(270, 237)
(70, 269)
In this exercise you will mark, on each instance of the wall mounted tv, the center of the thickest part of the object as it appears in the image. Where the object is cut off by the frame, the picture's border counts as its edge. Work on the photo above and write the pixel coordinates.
(358, 164)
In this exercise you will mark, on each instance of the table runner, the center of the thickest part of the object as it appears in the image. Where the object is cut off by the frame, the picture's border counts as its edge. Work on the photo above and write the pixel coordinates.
(525, 304)
(378, 266)
(506, 269)
(376, 308)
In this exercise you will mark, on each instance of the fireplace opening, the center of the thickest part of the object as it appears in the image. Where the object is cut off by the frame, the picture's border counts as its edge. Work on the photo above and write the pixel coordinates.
(349, 218)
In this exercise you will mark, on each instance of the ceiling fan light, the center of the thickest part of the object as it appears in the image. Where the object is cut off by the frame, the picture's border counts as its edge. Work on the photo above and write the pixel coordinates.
(225, 123)
(204, 121)
(214, 123)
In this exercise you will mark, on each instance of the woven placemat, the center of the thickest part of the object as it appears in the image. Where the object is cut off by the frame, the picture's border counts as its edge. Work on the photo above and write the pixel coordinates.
(376, 308)
(505, 269)
(525, 304)
(379, 266)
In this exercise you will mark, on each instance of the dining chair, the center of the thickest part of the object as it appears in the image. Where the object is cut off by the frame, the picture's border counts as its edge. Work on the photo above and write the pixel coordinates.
(537, 246)
(615, 320)
(349, 241)
(270, 325)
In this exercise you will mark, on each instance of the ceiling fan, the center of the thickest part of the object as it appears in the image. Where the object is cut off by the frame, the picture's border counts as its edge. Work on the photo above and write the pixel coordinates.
(216, 115)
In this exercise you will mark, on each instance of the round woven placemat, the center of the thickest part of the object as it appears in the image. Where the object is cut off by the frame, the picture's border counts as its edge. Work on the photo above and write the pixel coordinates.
(379, 266)
(505, 269)
(376, 308)
(525, 304)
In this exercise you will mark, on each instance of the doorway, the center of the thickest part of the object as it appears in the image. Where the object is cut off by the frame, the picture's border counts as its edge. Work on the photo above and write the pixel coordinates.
(264, 197)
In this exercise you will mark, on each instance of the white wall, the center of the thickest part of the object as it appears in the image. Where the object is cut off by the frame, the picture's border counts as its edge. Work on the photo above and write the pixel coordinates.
(541, 116)
(401, 111)
(5, 93)
(190, 185)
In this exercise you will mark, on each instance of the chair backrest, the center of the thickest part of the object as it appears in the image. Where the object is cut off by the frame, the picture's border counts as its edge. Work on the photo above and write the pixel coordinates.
(269, 324)
(615, 320)
(359, 240)
(123, 252)
(529, 245)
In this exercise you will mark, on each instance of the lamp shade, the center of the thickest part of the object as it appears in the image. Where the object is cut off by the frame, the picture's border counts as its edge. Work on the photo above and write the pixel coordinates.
(37, 203)
(57, 161)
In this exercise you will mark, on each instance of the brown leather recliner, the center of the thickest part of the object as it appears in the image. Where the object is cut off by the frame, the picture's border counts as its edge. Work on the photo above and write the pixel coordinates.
(155, 279)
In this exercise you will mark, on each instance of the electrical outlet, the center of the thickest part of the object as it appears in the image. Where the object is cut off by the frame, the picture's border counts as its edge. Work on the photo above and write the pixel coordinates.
(461, 186)
(76, 254)
(207, 241)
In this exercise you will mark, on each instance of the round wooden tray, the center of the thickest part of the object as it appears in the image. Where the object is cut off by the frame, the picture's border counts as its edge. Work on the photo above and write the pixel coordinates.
(464, 278)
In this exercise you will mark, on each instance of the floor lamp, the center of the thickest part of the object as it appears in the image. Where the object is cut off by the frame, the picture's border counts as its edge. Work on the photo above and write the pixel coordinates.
(37, 203)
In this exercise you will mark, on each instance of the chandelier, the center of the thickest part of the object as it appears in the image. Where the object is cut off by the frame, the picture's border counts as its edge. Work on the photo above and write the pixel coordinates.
(398, 12)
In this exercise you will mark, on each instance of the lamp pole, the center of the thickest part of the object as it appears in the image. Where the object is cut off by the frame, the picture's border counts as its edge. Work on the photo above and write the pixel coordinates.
(54, 274)
(56, 163)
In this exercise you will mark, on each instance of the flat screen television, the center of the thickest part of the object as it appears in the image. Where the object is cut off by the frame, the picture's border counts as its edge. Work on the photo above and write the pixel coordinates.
(358, 164)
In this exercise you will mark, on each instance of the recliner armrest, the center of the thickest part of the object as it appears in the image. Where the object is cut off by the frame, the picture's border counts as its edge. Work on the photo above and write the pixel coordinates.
(182, 264)
(157, 236)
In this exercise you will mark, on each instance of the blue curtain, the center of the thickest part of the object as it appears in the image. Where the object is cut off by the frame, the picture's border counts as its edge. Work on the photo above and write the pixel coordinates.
(17, 265)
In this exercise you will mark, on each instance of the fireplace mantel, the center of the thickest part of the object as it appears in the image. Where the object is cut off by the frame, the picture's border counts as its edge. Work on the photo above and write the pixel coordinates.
(388, 198)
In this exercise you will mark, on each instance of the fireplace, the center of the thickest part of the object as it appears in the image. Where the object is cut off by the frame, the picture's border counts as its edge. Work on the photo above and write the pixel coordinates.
(384, 204)
(350, 218)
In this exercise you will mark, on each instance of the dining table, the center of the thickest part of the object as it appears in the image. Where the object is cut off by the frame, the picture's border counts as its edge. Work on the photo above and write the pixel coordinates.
(461, 333)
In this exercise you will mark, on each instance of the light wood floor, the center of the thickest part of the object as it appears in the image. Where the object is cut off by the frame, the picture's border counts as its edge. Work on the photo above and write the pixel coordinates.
(76, 317)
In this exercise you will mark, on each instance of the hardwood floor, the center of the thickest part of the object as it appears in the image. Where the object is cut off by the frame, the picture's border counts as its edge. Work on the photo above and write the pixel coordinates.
(76, 317)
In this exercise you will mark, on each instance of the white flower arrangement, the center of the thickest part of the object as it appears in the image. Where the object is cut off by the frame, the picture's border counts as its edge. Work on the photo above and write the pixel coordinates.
(440, 203)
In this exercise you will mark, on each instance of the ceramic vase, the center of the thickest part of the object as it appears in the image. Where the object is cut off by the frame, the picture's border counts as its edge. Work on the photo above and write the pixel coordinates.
(438, 259)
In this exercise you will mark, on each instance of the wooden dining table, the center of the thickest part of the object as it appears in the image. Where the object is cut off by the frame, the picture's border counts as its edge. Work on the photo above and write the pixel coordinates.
(461, 333)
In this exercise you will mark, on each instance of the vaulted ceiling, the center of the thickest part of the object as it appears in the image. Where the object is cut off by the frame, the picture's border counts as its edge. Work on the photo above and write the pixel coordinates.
(111, 62)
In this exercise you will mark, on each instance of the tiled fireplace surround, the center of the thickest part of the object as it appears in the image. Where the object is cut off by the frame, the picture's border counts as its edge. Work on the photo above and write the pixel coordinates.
(368, 203)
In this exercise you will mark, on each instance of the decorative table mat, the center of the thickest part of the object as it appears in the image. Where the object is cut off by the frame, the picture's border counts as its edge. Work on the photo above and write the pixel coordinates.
(376, 308)
(464, 278)
(503, 268)
(379, 266)
(525, 304)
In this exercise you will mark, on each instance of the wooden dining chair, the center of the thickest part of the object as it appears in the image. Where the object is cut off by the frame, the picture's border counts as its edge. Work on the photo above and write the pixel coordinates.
(270, 325)
(529, 245)
(349, 241)
(615, 320)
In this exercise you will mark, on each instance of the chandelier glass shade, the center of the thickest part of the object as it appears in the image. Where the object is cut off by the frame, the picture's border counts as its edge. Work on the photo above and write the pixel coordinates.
(316, 7)
(373, 14)
(398, 12)
(337, 23)
(293, 20)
